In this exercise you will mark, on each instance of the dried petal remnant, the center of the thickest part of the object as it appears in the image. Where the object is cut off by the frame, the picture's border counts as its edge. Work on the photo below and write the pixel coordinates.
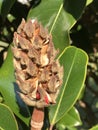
(38, 74)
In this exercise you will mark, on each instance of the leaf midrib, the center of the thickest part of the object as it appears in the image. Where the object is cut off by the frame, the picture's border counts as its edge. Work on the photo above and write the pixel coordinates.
(61, 97)
(55, 20)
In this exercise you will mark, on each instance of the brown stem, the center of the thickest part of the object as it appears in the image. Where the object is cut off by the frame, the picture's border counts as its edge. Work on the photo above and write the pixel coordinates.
(51, 127)
(37, 119)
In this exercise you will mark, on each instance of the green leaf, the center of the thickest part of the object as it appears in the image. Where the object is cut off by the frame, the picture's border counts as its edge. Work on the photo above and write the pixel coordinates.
(3, 45)
(71, 128)
(54, 14)
(89, 2)
(1, 1)
(9, 89)
(7, 119)
(71, 118)
(74, 61)
(1, 99)
(1, 128)
(94, 128)
(61, 127)
(5, 7)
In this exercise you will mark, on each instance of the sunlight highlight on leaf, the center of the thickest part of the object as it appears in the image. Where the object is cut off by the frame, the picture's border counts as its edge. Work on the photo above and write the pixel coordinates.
(89, 2)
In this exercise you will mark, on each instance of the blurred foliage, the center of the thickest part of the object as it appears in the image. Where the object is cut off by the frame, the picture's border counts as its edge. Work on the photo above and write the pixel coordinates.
(84, 35)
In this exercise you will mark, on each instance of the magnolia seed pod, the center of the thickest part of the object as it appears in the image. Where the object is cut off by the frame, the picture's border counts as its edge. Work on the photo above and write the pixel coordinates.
(38, 73)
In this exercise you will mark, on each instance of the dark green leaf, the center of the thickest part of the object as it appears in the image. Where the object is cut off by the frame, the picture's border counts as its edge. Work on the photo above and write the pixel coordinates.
(9, 89)
(72, 6)
(5, 7)
(53, 15)
(74, 61)
(7, 119)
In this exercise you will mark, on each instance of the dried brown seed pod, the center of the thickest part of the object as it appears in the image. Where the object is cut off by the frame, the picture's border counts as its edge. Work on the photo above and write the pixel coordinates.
(36, 70)
(38, 74)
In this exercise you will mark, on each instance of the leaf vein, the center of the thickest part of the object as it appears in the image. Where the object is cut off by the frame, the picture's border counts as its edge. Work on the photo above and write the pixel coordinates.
(55, 20)
(61, 97)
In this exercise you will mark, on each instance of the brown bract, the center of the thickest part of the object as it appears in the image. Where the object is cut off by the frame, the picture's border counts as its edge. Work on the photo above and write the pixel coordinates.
(38, 74)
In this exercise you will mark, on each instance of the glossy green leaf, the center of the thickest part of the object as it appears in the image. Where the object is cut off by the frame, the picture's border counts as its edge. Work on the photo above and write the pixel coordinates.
(58, 18)
(7, 119)
(9, 89)
(94, 128)
(74, 61)
(71, 118)
(5, 7)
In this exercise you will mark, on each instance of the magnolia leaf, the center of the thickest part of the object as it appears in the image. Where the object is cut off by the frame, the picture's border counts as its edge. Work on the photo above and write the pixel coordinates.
(74, 61)
(71, 119)
(9, 89)
(7, 119)
(58, 18)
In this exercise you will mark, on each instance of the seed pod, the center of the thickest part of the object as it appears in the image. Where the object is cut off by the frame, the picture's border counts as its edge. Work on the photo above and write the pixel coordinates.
(38, 74)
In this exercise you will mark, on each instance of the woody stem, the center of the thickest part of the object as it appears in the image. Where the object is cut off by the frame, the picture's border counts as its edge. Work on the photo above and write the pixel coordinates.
(37, 119)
